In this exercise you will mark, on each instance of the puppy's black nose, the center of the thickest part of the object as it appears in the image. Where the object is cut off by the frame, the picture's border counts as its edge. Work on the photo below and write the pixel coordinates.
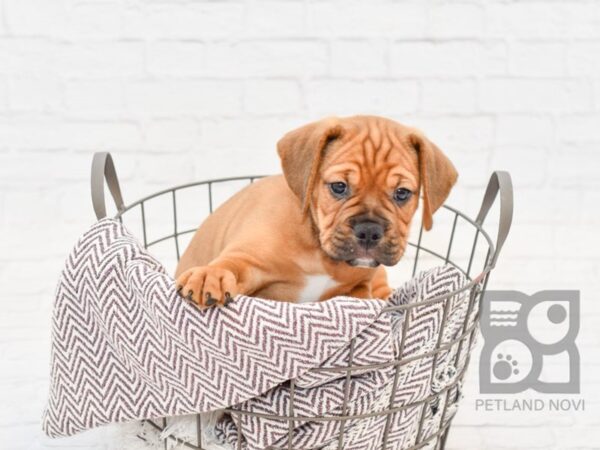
(368, 234)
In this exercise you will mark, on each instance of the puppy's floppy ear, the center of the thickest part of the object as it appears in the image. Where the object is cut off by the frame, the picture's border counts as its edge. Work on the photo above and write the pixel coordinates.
(437, 174)
(301, 152)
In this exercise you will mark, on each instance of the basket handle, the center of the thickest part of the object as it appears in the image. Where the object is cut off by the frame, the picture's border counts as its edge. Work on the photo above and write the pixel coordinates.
(500, 181)
(103, 168)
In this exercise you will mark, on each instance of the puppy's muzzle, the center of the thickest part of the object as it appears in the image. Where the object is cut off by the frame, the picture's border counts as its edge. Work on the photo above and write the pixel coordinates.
(368, 233)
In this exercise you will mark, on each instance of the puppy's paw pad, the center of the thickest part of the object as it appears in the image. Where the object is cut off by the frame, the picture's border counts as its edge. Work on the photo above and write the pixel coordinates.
(207, 285)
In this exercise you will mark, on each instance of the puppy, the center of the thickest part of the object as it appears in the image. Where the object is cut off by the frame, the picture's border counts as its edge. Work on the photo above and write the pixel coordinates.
(340, 212)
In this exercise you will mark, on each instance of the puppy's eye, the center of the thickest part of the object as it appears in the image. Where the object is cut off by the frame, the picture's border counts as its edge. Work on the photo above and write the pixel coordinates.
(338, 189)
(401, 195)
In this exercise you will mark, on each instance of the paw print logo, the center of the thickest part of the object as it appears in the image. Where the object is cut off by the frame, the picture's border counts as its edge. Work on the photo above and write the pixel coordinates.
(511, 362)
(505, 367)
(523, 333)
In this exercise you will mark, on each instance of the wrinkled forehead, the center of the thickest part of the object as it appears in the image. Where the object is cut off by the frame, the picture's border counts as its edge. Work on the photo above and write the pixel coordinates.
(372, 155)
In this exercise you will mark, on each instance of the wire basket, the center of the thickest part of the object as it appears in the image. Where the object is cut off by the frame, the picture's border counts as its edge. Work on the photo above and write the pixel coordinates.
(167, 220)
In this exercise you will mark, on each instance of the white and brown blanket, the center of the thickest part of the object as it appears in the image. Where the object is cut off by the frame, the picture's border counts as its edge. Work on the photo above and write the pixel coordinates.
(126, 347)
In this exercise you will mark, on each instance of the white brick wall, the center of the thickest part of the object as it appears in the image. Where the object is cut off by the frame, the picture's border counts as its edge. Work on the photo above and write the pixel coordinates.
(184, 90)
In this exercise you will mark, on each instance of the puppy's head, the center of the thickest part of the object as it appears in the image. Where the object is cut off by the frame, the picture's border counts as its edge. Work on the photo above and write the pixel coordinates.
(359, 179)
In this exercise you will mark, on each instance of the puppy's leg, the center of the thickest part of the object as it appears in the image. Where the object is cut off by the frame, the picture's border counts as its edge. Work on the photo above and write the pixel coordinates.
(362, 290)
(377, 287)
(207, 285)
(218, 282)
(379, 284)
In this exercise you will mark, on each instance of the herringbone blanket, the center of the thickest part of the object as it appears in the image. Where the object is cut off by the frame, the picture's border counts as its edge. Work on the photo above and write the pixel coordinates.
(125, 346)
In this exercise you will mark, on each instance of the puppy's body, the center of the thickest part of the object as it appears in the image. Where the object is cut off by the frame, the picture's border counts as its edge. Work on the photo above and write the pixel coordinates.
(342, 208)
(263, 227)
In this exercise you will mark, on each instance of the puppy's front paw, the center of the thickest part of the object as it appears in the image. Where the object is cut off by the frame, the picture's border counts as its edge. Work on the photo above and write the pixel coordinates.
(207, 285)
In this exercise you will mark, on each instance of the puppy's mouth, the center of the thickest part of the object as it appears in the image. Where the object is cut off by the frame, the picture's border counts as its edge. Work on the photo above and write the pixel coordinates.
(363, 262)
(356, 256)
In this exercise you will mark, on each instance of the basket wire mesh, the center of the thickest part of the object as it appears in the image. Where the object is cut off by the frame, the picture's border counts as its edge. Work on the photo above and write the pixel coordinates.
(473, 253)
